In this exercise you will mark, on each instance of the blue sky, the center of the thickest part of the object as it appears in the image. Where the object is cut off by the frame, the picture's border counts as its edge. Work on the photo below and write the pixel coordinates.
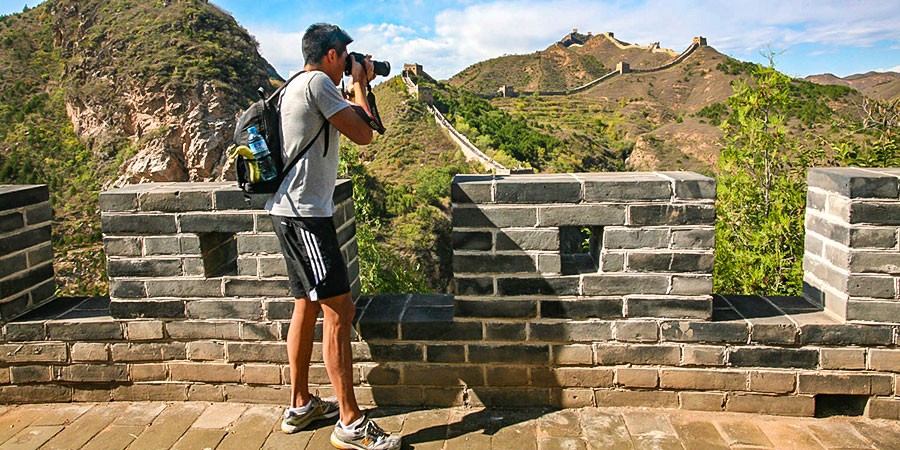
(840, 37)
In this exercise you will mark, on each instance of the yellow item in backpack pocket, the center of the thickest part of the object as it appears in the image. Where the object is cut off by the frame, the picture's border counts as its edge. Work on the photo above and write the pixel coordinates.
(251, 161)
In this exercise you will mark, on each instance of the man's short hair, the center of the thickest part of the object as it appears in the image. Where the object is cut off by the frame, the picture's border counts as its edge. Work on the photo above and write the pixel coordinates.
(321, 37)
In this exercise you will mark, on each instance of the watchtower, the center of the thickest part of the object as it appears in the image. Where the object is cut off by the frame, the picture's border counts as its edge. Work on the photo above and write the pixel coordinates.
(415, 69)
(622, 67)
(700, 40)
(507, 91)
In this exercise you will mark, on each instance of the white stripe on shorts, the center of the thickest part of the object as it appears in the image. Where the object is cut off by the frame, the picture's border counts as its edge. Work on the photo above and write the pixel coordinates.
(309, 255)
(319, 253)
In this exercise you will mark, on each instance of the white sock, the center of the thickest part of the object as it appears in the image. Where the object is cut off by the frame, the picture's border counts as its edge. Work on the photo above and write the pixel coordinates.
(301, 409)
(352, 426)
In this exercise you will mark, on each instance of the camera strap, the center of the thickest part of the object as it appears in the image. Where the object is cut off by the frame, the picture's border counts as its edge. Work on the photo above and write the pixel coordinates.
(375, 120)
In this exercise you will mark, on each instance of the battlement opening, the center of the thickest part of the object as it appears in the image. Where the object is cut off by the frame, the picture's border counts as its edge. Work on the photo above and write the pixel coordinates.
(579, 248)
(219, 254)
(840, 405)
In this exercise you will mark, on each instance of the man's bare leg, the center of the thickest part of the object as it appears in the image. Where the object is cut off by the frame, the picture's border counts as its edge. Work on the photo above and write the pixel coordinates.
(299, 348)
(339, 312)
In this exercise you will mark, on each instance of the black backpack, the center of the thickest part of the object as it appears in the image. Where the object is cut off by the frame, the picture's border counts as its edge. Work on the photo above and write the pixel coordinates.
(265, 115)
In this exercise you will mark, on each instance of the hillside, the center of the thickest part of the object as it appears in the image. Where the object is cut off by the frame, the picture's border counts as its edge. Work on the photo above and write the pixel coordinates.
(97, 92)
(876, 85)
(660, 120)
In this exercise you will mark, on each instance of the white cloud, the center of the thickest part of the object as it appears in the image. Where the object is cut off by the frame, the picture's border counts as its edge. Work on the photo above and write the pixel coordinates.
(464, 35)
(892, 69)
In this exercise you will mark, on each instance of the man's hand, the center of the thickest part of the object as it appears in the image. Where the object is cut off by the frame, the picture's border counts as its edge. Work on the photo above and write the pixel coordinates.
(363, 74)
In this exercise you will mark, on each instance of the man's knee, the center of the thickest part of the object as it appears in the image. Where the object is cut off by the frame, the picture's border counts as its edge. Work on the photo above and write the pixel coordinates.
(339, 308)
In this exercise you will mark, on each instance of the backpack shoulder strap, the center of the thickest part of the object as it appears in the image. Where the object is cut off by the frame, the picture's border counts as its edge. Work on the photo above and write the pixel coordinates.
(293, 162)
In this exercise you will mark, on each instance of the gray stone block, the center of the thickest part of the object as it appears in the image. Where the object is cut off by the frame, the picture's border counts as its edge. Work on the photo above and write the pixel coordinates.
(701, 239)
(875, 213)
(672, 214)
(38, 214)
(40, 255)
(581, 215)
(279, 309)
(84, 331)
(262, 243)
(871, 286)
(570, 331)
(224, 309)
(29, 238)
(202, 329)
(144, 267)
(582, 308)
(343, 190)
(146, 224)
(148, 351)
(503, 331)
(94, 373)
(17, 195)
(184, 288)
(122, 246)
(622, 189)
(444, 354)
(15, 306)
(12, 264)
(516, 353)
(237, 287)
(716, 332)
(813, 245)
(24, 331)
(441, 331)
(190, 244)
(276, 267)
(151, 309)
(686, 285)
(880, 238)
(854, 183)
(799, 358)
(612, 262)
(43, 292)
(11, 221)
(538, 286)
(872, 311)
(662, 307)
(175, 201)
(118, 201)
(474, 286)
(637, 331)
(671, 262)
(619, 238)
(875, 262)
(161, 245)
(471, 188)
(494, 216)
(24, 280)
(549, 264)
(609, 284)
(493, 263)
(215, 222)
(538, 239)
(127, 289)
(346, 234)
(264, 222)
(846, 334)
(234, 199)
(618, 354)
(829, 228)
(691, 185)
(537, 189)
(816, 199)
(492, 308)
(472, 240)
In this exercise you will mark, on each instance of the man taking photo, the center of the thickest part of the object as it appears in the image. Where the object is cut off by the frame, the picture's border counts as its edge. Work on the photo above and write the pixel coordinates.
(312, 109)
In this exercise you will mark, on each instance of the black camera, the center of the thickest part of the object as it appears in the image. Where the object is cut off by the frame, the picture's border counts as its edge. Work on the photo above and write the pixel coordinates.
(382, 68)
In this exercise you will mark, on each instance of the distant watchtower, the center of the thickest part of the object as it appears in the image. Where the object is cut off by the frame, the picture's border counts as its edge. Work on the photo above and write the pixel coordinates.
(622, 67)
(415, 69)
(700, 40)
(507, 91)
(424, 94)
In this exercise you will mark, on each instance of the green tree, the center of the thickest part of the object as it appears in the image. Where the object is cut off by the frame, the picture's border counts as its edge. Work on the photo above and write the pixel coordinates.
(761, 192)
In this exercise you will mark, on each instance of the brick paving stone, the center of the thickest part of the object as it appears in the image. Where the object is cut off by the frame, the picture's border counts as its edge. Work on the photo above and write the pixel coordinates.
(279, 440)
(140, 414)
(469, 430)
(83, 429)
(425, 429)
(321, 439)
(200, 438)
(168, 426)
(698, 434)
(62, 415)
(563, 443)
(389, 419)
(245, 434)
(219, 415)
(743, 432)
(516, 431)
(114, 438)
(651, 430)
(881, 435)
(605, 430)
(788, 435)
(560, 423)
(31, 437)
(17, 419)
(838, 435)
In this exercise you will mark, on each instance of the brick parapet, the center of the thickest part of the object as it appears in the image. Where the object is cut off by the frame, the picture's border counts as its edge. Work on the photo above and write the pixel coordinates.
(201, 251)
(649, 253)
(26, 252)
(409, 350)
(851, 258)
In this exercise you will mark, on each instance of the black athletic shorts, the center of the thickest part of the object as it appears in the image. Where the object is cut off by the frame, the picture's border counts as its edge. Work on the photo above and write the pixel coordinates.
(315, 266)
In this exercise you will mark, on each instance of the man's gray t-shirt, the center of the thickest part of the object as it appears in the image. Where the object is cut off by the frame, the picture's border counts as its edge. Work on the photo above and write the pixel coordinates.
(307, 102)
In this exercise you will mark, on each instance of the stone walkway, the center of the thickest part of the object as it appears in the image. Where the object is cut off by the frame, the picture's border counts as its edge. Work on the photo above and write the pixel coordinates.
(199, 425)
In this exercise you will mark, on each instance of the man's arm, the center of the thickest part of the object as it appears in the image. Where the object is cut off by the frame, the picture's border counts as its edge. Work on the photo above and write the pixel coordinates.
(347, 121)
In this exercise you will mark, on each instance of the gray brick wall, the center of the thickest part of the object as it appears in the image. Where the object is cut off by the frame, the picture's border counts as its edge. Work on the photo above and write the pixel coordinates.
(200, 251)
(649, 252)
(851, 259)
(26, 253)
